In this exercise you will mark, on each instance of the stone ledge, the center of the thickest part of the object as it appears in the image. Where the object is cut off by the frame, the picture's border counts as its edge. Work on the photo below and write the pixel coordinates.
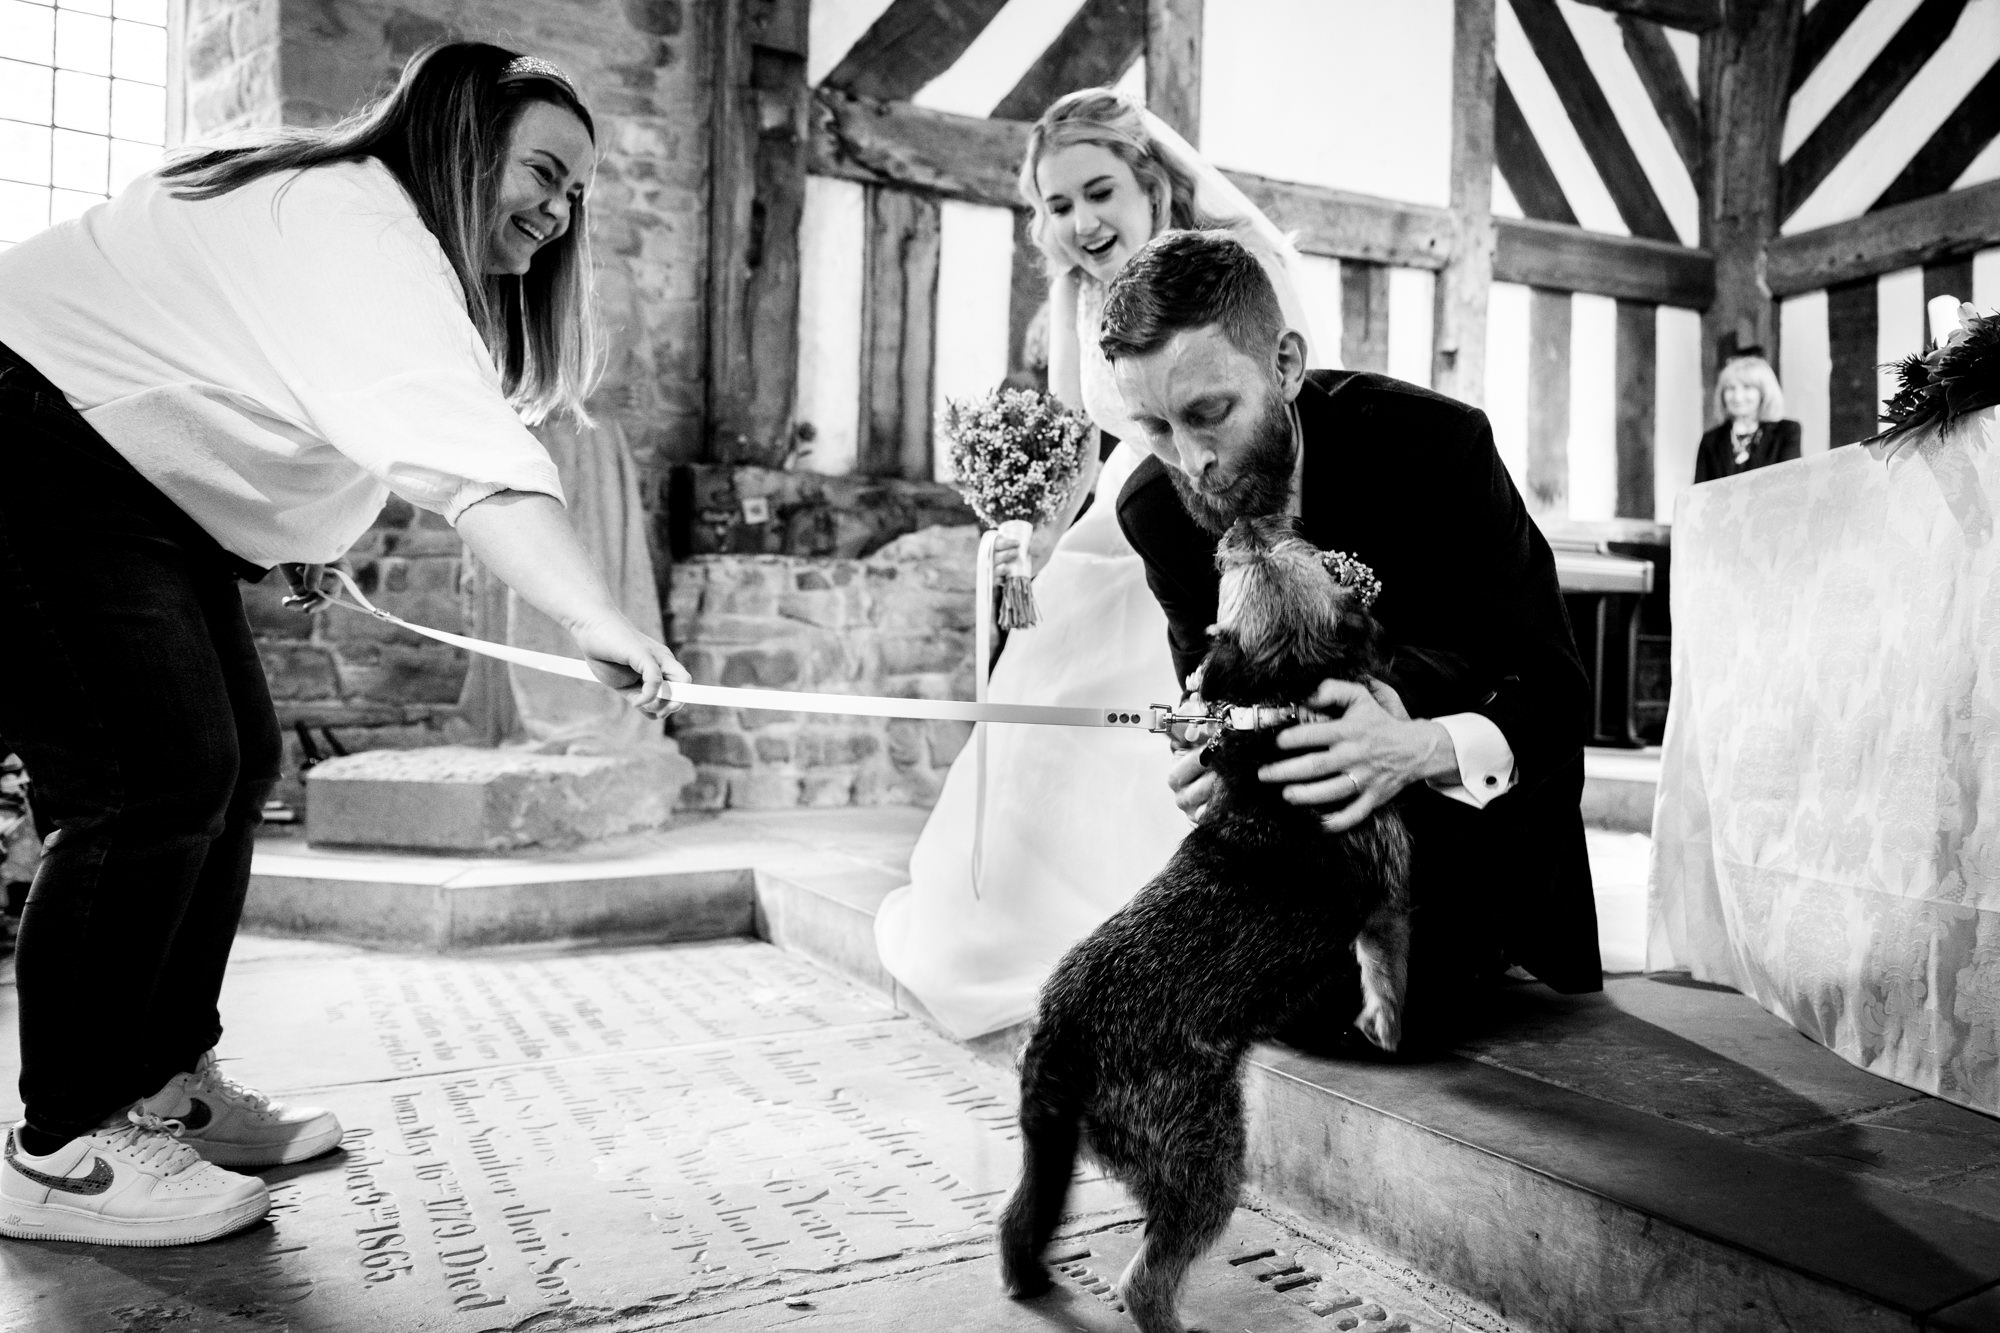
(458, 799)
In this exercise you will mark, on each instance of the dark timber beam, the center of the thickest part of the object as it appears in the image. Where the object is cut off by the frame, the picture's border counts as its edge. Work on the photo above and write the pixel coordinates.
(1692, 15)
(1852, 389)
(1659, 71)
(1595, 122)
(1549, 316)
(1822, 27)
(912, 43)
(759, 136)
(1743, 100)
(1924, 231)
(1635, 356)
(1522, 163)
(1096, 47)
(893, 143)
(974, 159)
(1341, 225)
(898, 333)
(1364, 315)
(1947, 153)
(1173, 64)
(1570, 259)
(1863, 104)
(1458, 319)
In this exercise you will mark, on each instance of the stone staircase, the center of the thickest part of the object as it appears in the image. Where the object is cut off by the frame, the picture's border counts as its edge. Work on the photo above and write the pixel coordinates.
(1663, 1156)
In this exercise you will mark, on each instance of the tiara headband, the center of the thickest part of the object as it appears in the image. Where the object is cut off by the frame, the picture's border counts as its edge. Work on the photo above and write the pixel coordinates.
(533, 67)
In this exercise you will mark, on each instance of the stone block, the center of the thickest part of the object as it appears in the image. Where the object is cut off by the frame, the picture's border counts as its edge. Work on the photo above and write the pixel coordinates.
(764, 789)
(770, 669)
(774, 749)
(907, 745)
(730, 748)
(299, 671)
(455, 799)
(824, 749)
(708, 791)
(828, 789)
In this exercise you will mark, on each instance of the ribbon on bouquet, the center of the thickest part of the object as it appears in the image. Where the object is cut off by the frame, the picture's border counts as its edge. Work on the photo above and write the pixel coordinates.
(1153, 717)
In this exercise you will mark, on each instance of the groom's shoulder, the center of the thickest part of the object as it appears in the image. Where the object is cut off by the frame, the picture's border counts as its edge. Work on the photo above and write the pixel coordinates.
(1363, 395)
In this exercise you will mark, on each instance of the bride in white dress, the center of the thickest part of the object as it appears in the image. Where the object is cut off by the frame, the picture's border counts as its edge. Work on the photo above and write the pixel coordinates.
(1076, 820)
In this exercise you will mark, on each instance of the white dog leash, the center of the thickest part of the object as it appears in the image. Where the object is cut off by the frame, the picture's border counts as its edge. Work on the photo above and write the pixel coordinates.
(1153, 717)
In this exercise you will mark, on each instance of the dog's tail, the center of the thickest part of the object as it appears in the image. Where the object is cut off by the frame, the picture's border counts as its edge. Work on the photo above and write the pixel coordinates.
(1051, 1120)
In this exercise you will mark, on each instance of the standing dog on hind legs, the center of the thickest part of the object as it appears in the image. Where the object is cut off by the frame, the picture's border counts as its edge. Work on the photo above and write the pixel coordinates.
(1143, 1025)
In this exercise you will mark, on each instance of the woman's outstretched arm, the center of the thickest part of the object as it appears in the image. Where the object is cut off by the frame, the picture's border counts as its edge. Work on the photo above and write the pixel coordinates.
(525, 538)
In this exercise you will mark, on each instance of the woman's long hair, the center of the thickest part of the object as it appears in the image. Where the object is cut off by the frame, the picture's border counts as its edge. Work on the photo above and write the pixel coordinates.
(443, 133)
(1110, 120)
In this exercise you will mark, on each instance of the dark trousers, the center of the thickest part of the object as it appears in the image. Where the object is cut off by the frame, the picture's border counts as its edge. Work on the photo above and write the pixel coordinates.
(132, 690)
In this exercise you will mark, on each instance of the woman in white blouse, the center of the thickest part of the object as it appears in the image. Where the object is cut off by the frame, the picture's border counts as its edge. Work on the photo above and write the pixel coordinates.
(228, 367)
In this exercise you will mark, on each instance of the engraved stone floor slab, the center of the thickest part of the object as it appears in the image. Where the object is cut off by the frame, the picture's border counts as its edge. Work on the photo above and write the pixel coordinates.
(1259, 1277)
(300, 1015)
(734, 1119)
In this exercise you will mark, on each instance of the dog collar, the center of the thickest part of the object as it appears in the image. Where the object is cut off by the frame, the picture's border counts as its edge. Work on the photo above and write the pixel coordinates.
(1231, 717)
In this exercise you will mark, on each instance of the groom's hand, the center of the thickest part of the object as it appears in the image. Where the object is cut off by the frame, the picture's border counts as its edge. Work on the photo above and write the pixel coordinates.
(1357, 762)
(1192, 783)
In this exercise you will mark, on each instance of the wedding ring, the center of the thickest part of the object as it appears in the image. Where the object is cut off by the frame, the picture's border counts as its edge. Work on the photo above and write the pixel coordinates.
(1355, 783)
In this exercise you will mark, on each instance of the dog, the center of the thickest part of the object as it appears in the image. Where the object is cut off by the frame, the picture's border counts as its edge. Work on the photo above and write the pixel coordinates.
(1143, 1025)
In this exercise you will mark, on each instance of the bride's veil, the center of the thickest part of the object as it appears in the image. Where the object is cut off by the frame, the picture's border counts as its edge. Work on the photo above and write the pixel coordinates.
(1217, 198)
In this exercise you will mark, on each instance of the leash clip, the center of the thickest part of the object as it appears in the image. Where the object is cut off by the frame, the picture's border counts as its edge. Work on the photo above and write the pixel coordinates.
(1230, 717)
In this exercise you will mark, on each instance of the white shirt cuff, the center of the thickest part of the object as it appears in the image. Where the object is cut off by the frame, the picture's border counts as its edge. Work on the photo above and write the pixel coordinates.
(1485, 760)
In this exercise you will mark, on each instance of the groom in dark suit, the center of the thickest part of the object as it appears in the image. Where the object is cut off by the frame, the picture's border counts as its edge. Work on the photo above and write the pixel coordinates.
(1486, 724)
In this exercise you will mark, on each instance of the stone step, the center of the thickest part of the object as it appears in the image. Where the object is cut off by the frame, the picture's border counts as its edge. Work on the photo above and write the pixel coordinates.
(1619, 787)
(1663, 1156)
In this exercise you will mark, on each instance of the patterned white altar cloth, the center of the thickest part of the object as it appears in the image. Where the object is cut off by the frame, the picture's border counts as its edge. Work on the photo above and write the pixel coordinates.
(1827, 832)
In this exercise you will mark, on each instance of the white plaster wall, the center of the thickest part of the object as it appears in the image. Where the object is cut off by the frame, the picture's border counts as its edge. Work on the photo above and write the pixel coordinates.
(1507, 376)
(1353, 94)
(1544, 113)
(1888, 145)
(831, 232)
(1678, 411)
(1603, 48)
(1805, 368)
(1003, 51)
(1593, 407)
(1411, 292)
(1319, 279)
(975, 258)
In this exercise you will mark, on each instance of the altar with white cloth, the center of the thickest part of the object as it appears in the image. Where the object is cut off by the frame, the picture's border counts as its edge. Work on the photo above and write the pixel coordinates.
(1827, 831)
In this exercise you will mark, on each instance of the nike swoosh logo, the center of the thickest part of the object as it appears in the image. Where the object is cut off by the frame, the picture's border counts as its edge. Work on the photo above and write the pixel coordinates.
(98, 1181)
(198, 1114)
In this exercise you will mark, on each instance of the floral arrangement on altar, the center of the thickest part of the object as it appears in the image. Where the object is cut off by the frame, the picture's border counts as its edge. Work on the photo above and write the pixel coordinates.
(1958, 377)
(1016, 455)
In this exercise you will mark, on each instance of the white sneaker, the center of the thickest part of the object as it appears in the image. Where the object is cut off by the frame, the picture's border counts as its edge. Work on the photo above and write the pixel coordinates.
(232, 1125)
(128, 1184)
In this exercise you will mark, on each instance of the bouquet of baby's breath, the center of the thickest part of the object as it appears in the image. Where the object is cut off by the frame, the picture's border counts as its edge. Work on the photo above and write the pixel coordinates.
(1015, 455)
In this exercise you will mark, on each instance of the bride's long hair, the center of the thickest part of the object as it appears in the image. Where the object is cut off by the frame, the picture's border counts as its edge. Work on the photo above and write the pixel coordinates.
(1110, 120)
(442, 131)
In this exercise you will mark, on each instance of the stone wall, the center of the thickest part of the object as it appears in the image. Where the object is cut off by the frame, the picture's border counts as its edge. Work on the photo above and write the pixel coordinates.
(371, 685)
(716, 509)
(898, 623)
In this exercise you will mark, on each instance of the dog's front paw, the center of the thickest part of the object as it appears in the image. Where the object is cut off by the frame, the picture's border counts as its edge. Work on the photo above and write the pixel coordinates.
(1023, 1275)
(1381, 1021)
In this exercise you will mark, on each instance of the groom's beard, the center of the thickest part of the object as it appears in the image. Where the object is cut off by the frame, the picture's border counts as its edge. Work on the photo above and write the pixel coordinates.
(1263, 480)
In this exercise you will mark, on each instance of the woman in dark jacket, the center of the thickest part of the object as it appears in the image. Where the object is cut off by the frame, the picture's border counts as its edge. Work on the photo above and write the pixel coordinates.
(1754, 432)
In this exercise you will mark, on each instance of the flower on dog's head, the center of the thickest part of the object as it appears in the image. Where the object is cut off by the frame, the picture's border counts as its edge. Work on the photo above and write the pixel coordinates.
(1353, 574)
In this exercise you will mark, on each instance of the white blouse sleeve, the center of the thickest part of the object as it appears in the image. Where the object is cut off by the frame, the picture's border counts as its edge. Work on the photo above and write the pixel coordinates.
(353, 302)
